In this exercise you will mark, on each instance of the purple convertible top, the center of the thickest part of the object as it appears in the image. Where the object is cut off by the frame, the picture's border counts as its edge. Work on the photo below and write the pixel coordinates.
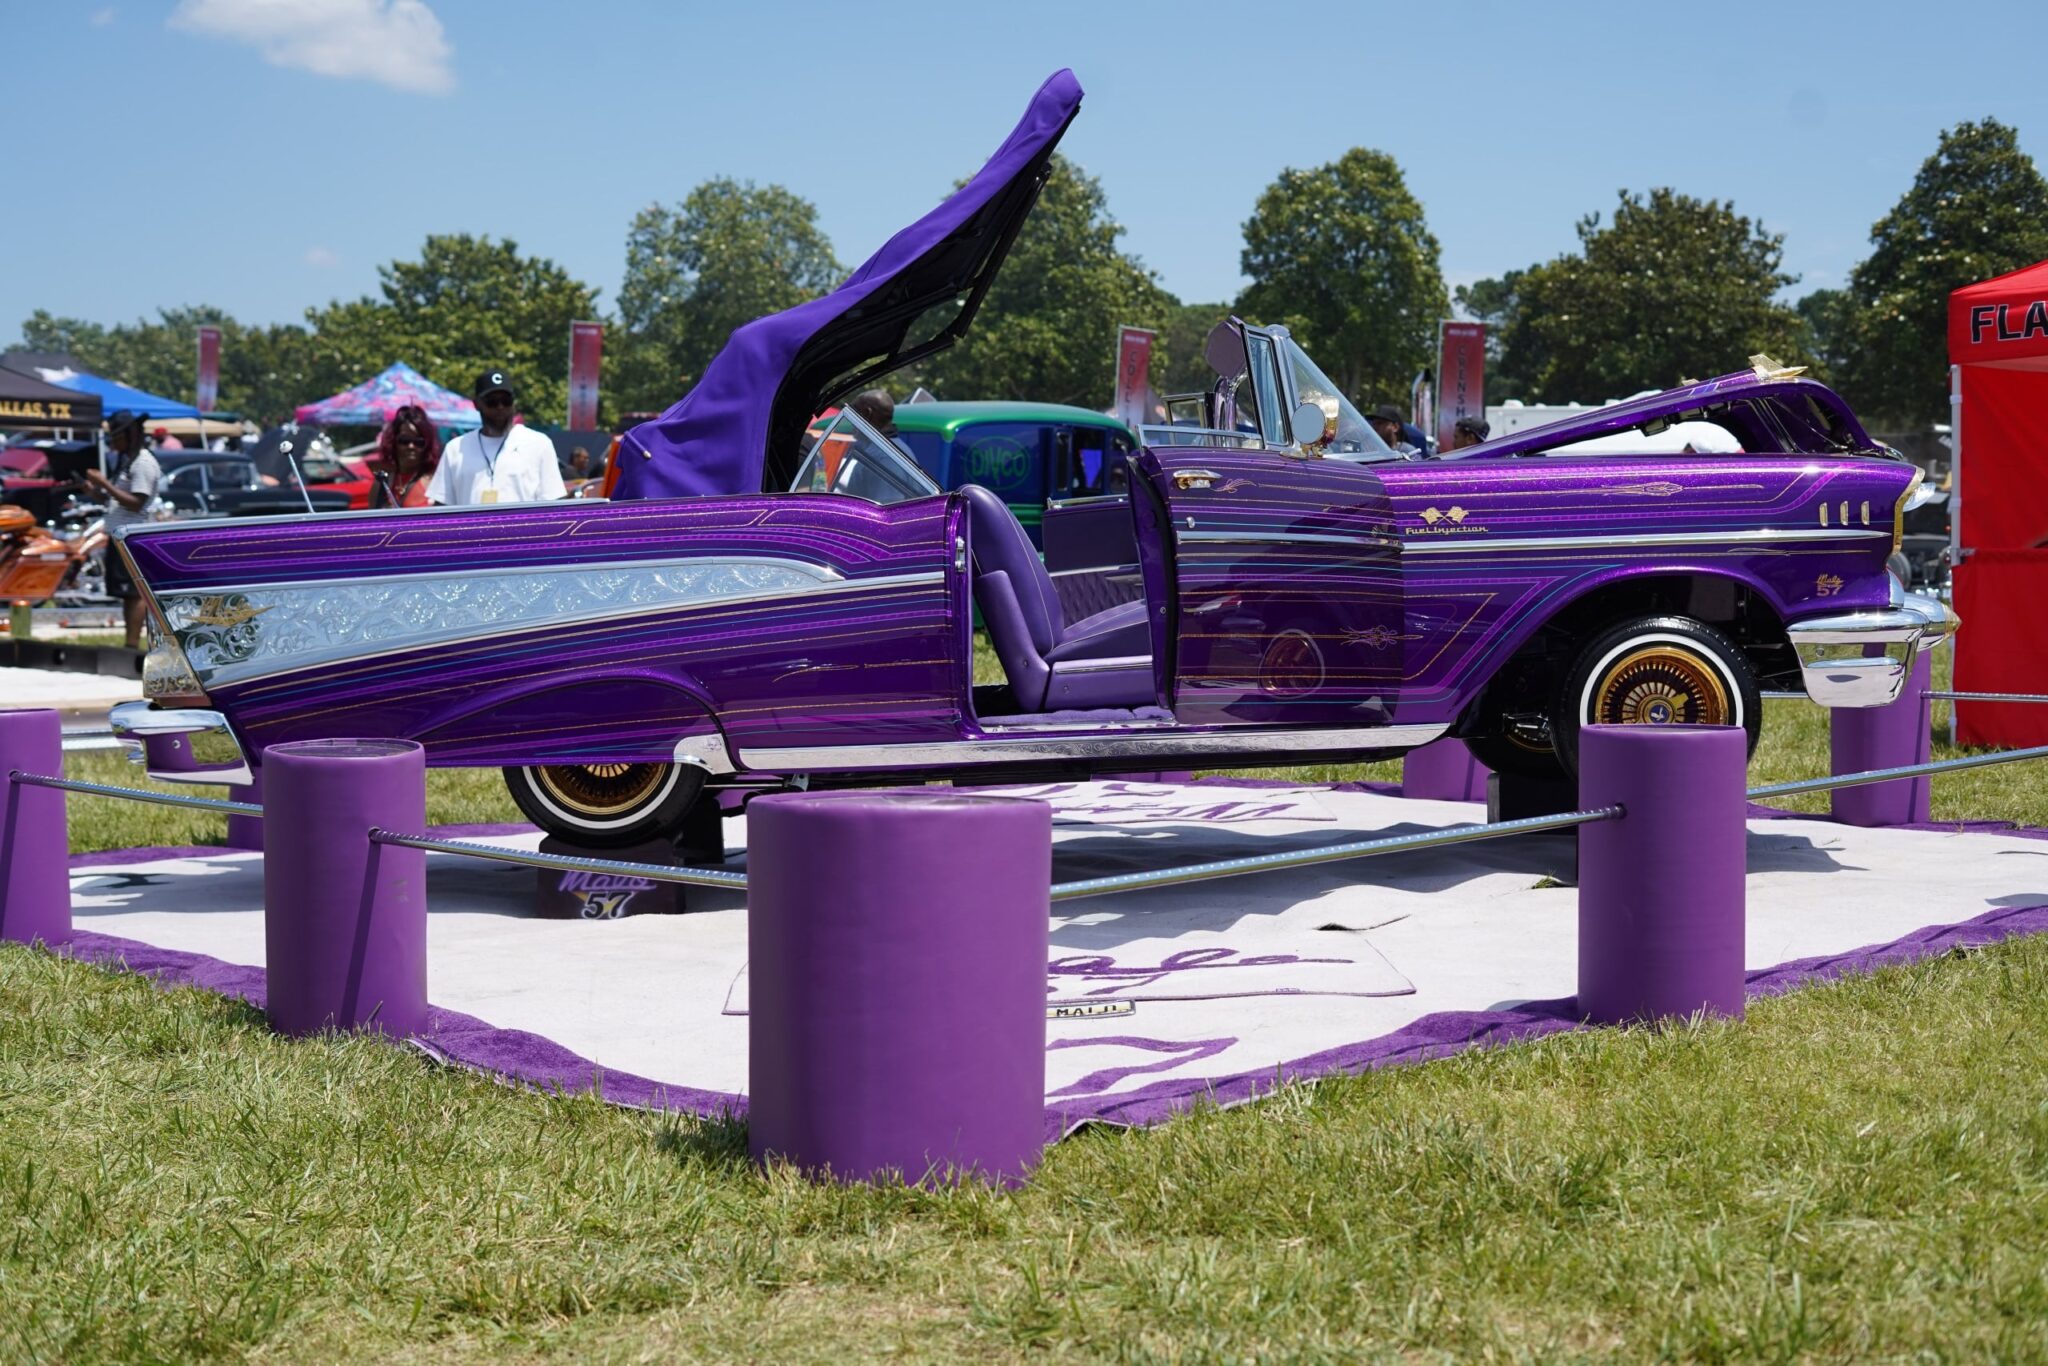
(738, 431)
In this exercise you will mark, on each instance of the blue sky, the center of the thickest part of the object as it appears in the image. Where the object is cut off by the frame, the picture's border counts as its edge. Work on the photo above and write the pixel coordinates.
(268, 155)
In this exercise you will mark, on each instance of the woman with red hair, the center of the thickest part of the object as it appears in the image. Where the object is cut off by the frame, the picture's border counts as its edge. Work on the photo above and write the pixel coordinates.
(407, 450)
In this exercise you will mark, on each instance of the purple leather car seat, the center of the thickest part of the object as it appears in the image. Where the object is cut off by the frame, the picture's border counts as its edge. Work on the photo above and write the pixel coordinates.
(1100, 661)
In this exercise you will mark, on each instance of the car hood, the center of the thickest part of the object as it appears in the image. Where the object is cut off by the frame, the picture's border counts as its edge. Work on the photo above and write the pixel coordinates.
(739, 429)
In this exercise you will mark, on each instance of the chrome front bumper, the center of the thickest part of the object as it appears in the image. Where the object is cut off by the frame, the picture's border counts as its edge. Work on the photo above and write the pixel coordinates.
(1862, 659)
(181, 744)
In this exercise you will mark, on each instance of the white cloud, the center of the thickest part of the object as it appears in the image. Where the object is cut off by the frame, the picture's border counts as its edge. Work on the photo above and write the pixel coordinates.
(321, 257)
(102, 17)
(398, 43)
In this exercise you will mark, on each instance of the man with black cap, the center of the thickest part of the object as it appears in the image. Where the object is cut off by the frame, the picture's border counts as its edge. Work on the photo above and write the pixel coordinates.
(500, 462)
(1393, 429)
(128, 493)
(1469, 431)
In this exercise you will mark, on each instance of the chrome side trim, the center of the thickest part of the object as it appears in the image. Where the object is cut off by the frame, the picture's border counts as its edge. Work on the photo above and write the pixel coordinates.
(1010, 748)
(823, 573)
(1096, 569)
(1481, 543)
(707, 752)
(1291, 538)
(1107, 662)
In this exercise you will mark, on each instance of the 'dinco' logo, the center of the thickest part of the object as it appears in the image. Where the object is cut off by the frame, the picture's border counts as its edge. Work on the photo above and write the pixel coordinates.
(998, 462)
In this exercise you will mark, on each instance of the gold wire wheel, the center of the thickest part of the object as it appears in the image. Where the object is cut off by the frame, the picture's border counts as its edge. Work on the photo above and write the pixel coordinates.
(599, 789)
(1661, 686)
(1292, 665)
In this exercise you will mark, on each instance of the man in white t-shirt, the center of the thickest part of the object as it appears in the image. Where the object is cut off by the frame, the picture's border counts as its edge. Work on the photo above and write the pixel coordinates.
(501, 462)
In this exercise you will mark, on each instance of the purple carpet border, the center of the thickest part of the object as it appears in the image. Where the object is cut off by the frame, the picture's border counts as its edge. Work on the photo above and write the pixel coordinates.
(523, 1058)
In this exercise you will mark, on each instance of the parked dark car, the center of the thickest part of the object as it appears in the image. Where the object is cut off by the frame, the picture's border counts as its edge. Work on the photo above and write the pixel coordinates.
(224, 484)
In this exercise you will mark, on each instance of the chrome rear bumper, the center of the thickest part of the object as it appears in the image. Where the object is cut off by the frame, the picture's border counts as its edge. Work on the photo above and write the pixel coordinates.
(182, 744)
(1862, 659)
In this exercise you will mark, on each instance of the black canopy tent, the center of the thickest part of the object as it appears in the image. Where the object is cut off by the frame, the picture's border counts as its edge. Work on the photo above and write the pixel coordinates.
(28, 403)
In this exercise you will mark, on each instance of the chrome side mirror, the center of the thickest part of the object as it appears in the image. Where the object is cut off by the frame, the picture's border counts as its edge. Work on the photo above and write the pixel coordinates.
(1308, 423)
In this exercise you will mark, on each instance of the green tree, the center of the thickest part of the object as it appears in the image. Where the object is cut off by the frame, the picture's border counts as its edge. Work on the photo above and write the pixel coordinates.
(1830, 318)
(729, 253)
(264, 371)
(1177, 354)
(1673, 288)
(1344, 255)
(467, 304)
(1047, 329)
(1978, 208)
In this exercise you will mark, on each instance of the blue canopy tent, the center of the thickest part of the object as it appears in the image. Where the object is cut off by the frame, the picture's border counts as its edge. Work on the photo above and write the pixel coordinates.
(113, 395)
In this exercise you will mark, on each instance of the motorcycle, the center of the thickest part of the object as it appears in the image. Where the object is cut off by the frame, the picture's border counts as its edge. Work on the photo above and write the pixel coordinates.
(82, 526)
(33, 562)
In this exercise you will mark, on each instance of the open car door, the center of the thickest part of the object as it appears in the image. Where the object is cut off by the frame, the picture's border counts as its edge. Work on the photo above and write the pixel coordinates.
(1275, 573)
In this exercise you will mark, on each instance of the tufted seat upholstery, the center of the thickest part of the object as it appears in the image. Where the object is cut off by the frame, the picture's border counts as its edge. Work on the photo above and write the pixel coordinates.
(1100, 661)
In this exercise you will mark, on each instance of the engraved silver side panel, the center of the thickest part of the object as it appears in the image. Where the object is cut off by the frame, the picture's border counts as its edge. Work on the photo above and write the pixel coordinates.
(1012, 748)
(234, 633)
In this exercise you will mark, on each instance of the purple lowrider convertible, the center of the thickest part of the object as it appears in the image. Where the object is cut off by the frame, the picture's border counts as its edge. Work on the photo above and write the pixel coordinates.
(753, 611)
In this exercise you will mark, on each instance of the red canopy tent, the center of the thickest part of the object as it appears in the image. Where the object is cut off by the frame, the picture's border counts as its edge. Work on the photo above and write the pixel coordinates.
(1998, 385)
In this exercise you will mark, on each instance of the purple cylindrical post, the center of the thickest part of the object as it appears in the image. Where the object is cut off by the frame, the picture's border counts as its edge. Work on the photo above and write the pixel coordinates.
(344, 920)
(1443, 771)
(1863, 738)
(897, 948)
(1661, 895)
(246, 832)
(35, 842)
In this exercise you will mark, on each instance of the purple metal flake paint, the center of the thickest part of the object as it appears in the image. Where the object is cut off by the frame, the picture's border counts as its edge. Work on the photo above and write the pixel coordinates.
(897, 943)
(344, 920)
(1661, 891)
(35, 886)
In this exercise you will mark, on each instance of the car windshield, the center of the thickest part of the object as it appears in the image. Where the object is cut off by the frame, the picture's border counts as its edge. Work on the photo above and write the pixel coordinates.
(852, 458)
(1345, 433)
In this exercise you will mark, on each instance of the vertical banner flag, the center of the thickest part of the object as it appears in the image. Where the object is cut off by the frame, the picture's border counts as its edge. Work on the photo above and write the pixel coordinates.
(1133, 370)
(209, 370)
(1422, 404)
(586, 350)
(1461, 377)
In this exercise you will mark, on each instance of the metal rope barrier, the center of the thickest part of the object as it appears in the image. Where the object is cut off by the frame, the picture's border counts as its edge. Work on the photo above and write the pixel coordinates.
(1328, 853)
(653, 872)
(136, 794)
(1944, 695)
(1885, 775)
(1064, 891)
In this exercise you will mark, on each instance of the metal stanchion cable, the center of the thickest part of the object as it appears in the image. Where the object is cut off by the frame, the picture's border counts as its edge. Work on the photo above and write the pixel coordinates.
(1885, 775)
(137, 794)
(653, 872)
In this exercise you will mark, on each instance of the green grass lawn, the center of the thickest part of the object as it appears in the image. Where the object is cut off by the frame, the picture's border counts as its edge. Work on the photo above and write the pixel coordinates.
(1855, 1172)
